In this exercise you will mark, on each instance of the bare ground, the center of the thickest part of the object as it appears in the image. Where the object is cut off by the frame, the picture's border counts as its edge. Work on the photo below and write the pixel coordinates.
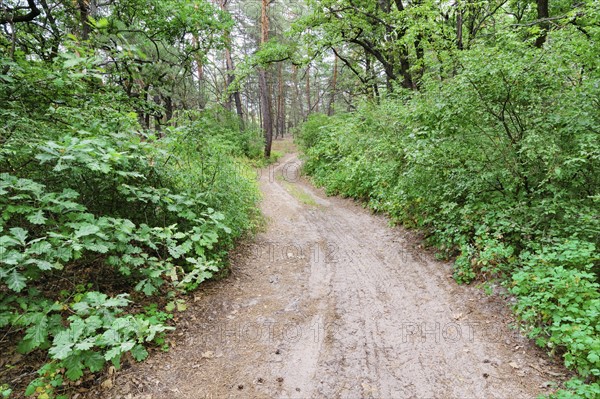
(330, 302)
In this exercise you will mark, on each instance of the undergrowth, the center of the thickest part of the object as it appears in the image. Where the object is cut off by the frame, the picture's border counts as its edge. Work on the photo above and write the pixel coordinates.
(498, 165)
(100, 219)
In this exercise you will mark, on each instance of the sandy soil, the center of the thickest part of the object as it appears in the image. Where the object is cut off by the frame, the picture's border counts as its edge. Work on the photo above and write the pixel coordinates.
(330, 302)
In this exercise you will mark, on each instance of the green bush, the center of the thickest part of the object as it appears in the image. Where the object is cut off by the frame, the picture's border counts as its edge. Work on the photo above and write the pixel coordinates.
(97, 215)
(562, 309)
(200, 160)
(498, 165)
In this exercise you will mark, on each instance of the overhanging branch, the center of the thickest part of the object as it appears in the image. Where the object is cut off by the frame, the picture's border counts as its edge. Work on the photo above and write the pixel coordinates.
(8, 15)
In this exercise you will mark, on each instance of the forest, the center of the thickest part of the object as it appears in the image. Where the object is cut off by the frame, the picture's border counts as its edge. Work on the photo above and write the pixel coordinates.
(131, 132)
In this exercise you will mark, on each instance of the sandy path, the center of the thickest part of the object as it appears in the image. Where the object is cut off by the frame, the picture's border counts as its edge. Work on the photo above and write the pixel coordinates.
(330, 302)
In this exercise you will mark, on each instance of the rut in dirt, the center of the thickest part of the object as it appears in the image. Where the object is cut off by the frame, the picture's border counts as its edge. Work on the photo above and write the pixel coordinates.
(330, 302)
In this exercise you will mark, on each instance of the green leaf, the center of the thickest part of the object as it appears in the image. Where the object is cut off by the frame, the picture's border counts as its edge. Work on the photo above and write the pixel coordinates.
(139, 353)
(40, 247)
(38, 332)
(146, 287)
(96, 298)
(117, 302)
(86, 230)
(74, 368)
(72, 61)
(20, 234)
(15, 281)
(169, 307)
(81, 308)
(30, 390)
(112, 353)
(26, 346)
(37, 218)
(86, 344)
(94, 361)
(7, 241)
(13, 258)
(96, 247)
(44, 265)
(6, 317)
(127, 346)
(61, 345)
(116, 362)
(110, 338)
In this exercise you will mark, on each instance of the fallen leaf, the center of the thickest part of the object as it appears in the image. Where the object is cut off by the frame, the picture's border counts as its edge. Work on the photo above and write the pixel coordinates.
(107, 384)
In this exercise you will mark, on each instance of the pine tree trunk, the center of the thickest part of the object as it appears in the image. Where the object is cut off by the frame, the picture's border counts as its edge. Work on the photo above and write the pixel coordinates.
(307, 92)
(280, 104)
(265, 93)
(298, 105)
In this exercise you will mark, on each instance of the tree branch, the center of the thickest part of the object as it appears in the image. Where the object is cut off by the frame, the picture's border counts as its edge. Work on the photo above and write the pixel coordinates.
(349, 65)
(9, 16)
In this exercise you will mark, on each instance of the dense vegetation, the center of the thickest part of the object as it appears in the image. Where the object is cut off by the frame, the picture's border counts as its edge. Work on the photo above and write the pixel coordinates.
(94, 211)
(496, 159)
(127, 129)
(106, 220)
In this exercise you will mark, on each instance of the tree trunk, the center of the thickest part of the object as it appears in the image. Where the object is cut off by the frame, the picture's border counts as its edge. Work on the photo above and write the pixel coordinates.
(373, 89)
(407, 80)
(420, 70)
(280, 104)
(542, 13)
(265, 94)
(459, 27)
(265, 105)
(230, 74)
(297, 103)
(331, 106)
(84, 15)
(169, 109)
(199, 75)
(307, 92)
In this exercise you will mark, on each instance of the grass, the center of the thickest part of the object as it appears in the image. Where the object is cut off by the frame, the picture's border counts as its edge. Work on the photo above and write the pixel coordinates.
(300, 194)
(285, 146)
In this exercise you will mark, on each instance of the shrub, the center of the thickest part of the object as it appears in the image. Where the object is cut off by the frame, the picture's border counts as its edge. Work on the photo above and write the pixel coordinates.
(97, 215)
(498, 166)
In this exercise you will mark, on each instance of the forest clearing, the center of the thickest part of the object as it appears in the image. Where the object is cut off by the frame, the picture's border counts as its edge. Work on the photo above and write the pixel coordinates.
(299, 199)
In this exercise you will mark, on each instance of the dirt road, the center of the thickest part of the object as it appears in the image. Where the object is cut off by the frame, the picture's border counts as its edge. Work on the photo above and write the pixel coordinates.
(330, 302)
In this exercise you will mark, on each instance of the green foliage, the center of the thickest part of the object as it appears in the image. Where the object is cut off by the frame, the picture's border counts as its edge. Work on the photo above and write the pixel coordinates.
(562, 309)
(577, 388)
(5, 390)
(93, 209)
(210, 154)
(498, 164)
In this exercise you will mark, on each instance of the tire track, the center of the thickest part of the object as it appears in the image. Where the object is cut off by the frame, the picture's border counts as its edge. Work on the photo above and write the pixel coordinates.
(342, 306)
